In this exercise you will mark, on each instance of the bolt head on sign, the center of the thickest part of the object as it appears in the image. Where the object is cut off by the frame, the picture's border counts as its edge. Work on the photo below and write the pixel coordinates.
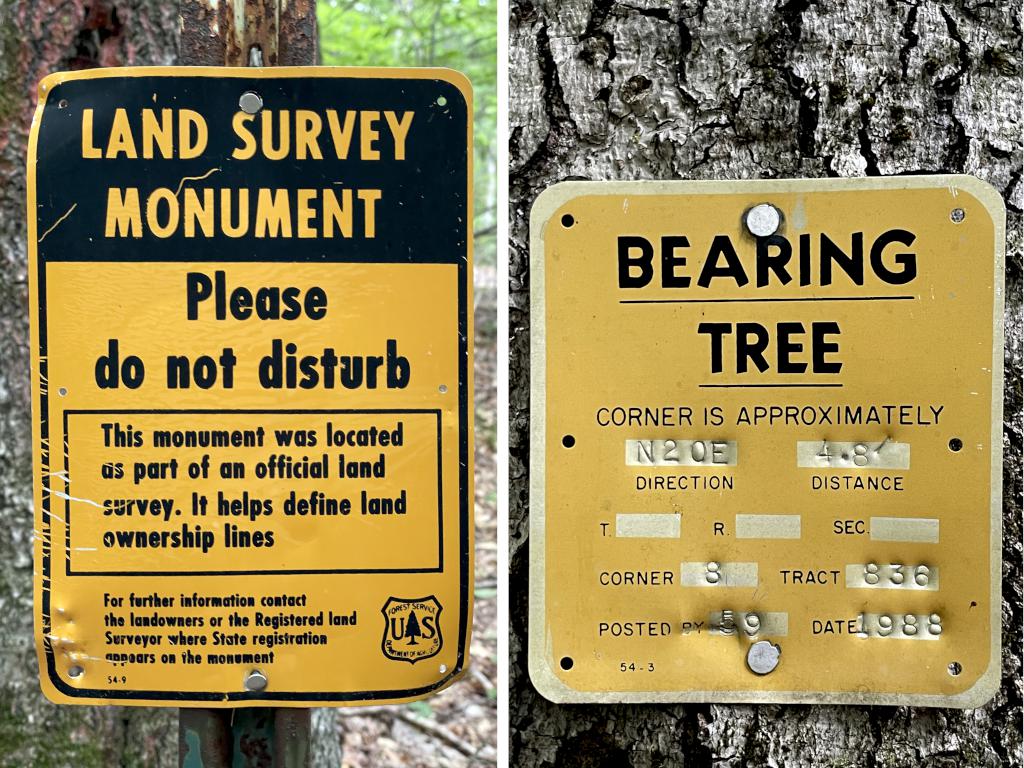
(250, 295)
(766, 451)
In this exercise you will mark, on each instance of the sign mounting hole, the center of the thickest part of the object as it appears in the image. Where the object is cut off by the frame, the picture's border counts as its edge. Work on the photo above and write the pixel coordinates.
(956, 444)
(568, 441)
(76, 671)
(443, 388)
(566, 663)
(63, 391)
(957, 215)
(62, 104)
(442, 101)
(955, 668)
(568, 220)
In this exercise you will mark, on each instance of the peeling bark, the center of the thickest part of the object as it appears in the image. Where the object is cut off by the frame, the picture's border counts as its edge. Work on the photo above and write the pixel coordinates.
(741, 89)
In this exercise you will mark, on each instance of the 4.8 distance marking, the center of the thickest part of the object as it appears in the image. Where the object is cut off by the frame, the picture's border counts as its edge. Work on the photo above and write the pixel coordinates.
(834, 454)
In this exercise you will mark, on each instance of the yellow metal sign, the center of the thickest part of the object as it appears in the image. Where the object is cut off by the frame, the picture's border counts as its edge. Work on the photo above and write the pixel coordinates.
(766, 441)
(252, 391)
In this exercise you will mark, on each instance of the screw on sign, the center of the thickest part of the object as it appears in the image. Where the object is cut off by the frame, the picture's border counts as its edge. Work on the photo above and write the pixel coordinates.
(763, 657)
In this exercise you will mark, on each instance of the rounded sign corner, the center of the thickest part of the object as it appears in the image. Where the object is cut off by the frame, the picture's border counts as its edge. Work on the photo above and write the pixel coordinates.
(984, 688)
(551, 199)
(547, 683)
(56, 689)
(459, 81)
(987, 195)
(49, 82)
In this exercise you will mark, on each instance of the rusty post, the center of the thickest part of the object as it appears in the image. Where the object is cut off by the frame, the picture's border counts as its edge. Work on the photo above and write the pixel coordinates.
(254, 737)
(270, 33)
(291, 738)
(204, 738)
(262, 33)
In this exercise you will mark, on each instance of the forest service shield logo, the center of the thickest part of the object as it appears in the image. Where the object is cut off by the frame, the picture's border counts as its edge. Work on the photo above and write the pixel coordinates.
(412, 628)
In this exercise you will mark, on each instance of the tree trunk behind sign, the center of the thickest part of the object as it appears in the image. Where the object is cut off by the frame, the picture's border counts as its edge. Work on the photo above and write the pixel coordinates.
(38, 37)
(705, 89)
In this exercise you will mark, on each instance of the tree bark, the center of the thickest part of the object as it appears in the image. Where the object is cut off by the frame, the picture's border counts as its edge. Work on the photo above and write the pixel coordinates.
(38, 37)
(721, 89)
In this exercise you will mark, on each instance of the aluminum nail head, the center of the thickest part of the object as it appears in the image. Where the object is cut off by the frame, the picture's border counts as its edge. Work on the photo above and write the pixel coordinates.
(763, 657)
(255, 681)
(250, 102)
(763, 220)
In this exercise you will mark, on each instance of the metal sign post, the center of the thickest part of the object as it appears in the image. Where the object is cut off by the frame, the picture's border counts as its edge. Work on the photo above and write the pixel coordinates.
(270, 33)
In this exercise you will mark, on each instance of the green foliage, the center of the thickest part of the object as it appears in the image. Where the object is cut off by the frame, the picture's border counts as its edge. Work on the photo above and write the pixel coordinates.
(458, 34)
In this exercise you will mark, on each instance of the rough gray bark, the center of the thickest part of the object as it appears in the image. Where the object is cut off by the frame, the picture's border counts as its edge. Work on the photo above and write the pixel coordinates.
(730, 89)
(38, 37)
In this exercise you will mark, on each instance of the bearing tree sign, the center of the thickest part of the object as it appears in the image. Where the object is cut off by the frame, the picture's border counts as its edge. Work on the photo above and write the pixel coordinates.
(767, 441)
(252, 389)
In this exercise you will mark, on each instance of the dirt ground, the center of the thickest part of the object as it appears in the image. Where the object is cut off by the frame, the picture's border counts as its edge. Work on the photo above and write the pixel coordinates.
(457, 728)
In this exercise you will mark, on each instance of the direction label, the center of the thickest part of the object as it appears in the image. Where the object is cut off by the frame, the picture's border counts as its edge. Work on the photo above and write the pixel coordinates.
(766, 453)
(252, 389)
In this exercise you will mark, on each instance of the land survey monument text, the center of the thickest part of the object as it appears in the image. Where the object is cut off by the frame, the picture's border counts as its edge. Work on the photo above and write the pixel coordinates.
(252, 385)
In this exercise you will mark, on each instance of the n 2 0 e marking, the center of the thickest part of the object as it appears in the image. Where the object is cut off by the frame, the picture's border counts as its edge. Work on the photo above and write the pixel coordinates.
(680, 453)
